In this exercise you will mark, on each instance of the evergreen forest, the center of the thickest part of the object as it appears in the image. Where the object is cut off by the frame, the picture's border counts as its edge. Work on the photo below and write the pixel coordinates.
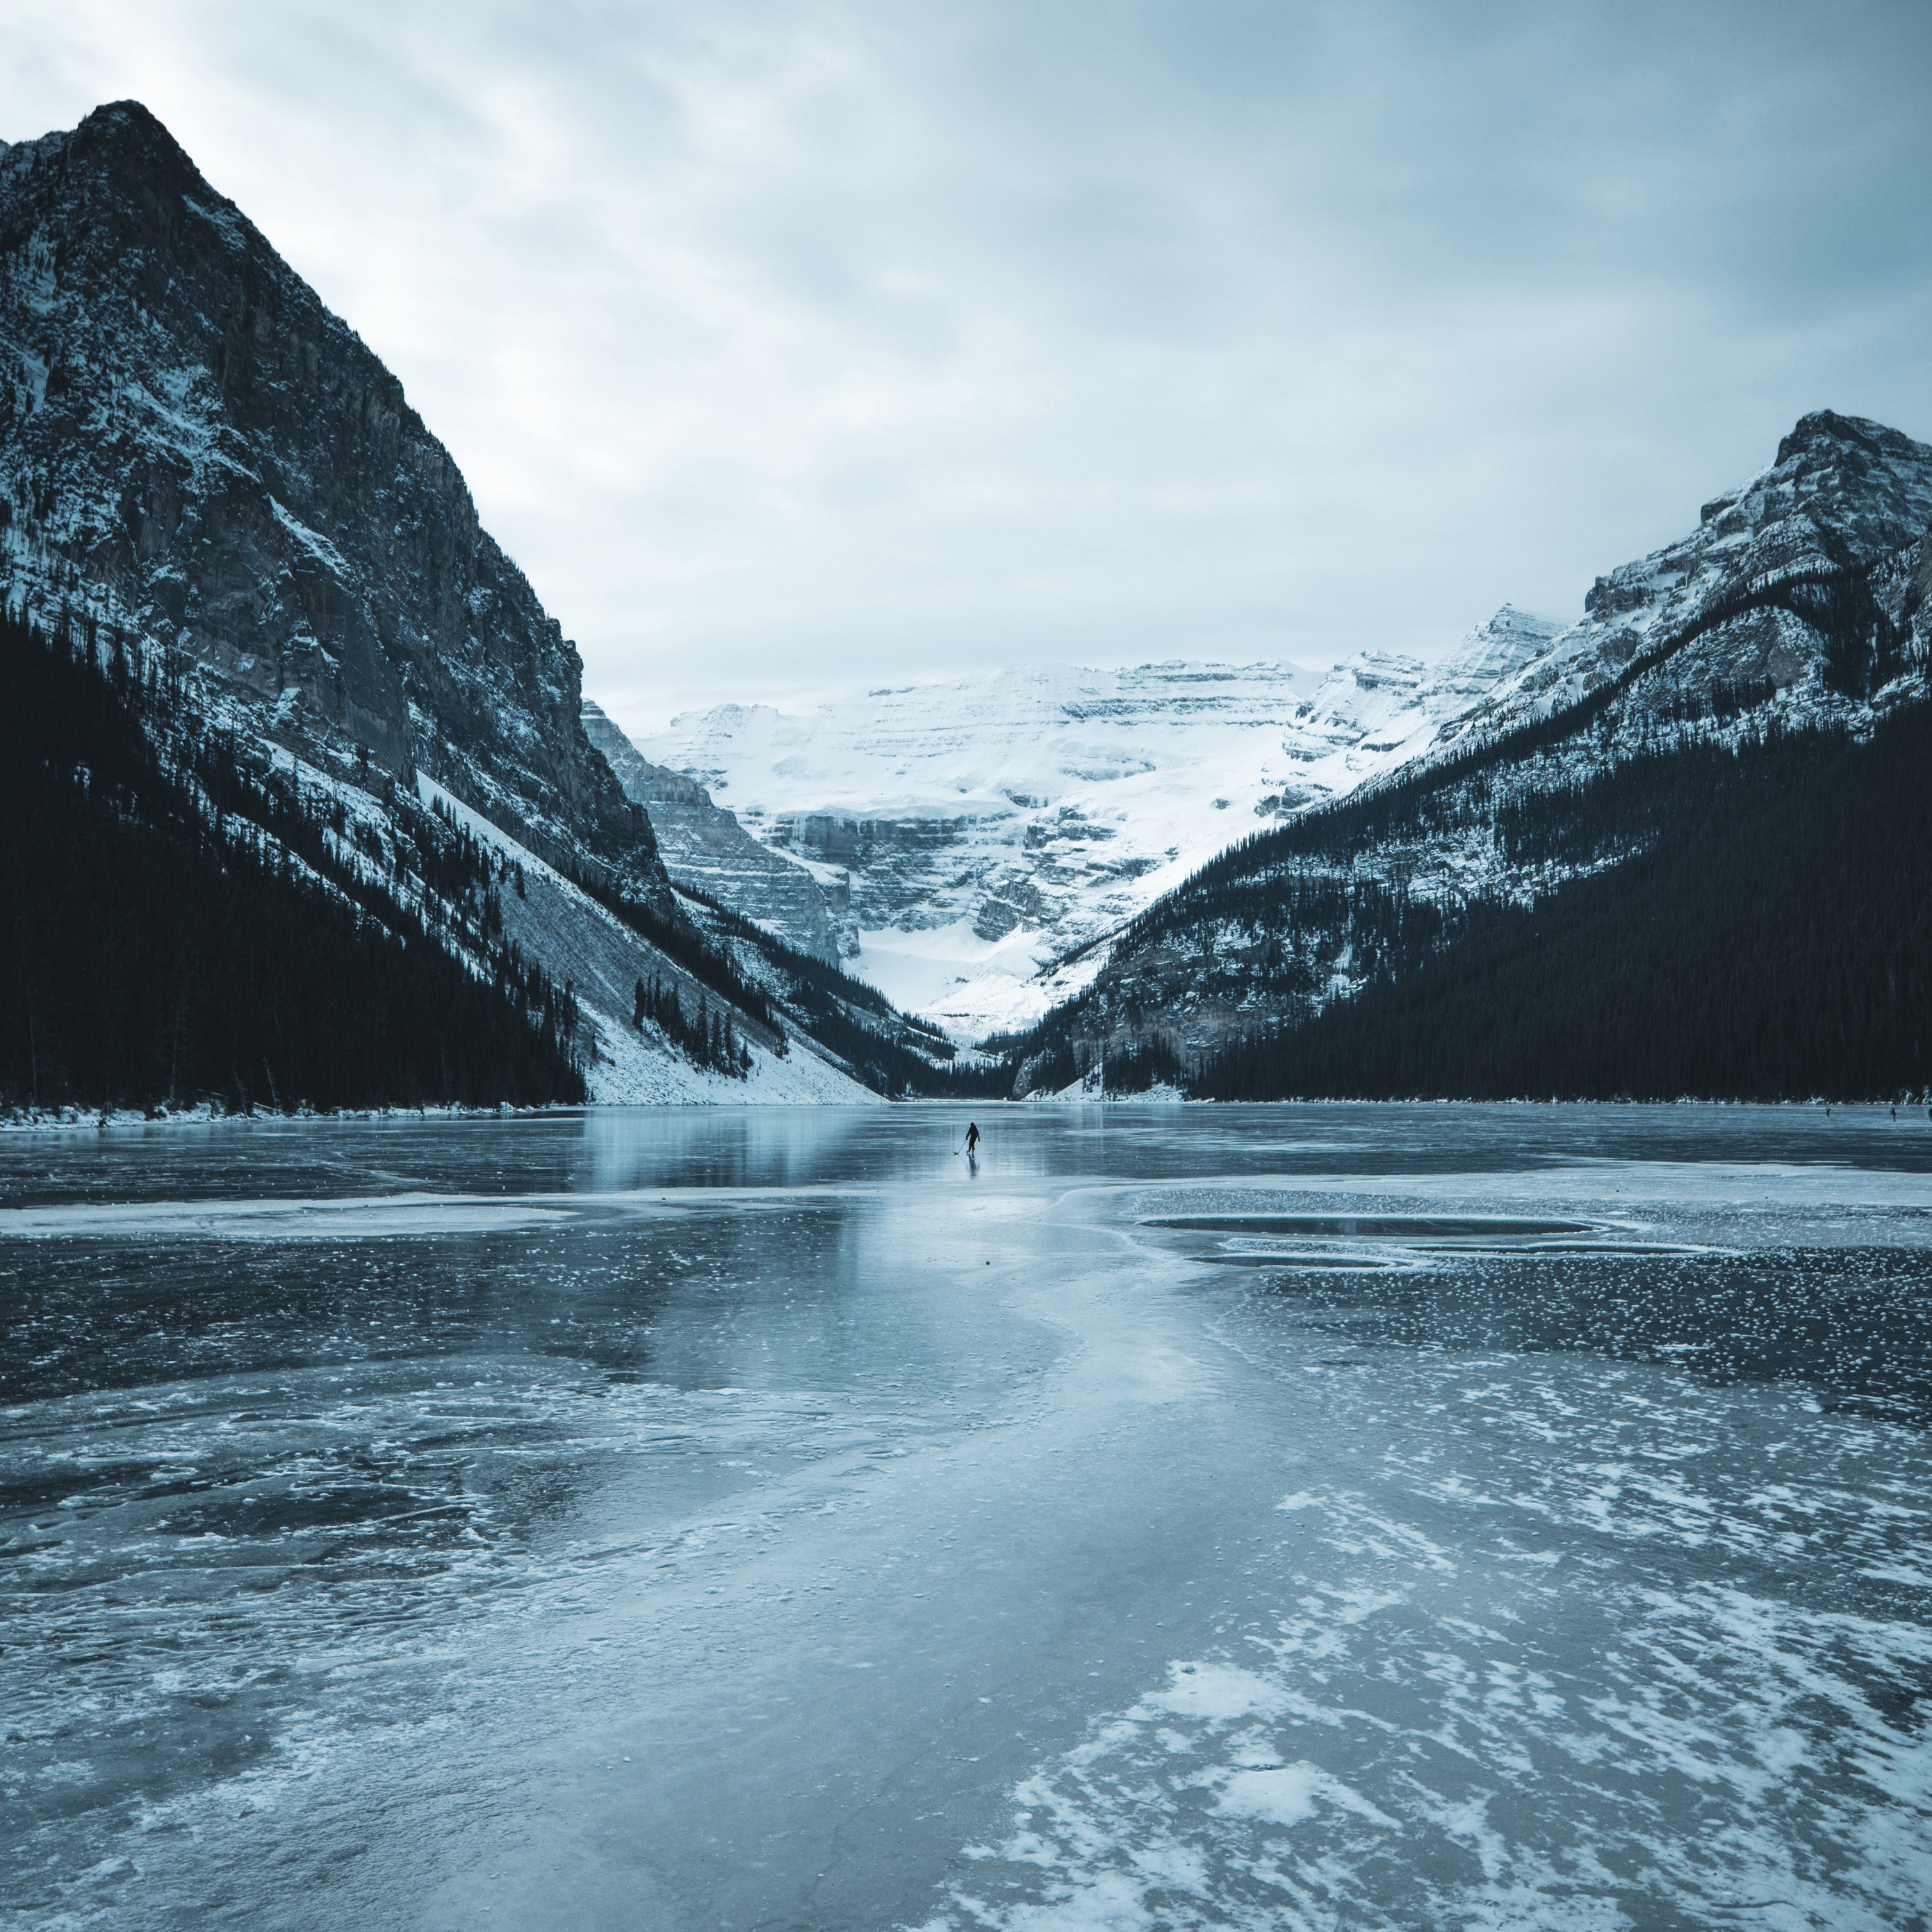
(1771, 939)
(179, 928)
(895, 1053)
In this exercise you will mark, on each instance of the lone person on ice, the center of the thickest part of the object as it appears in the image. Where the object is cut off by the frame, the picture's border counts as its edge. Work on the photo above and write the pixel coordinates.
(972, 1140)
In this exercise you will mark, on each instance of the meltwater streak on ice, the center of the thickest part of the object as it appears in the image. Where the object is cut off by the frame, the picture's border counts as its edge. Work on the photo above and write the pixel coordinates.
(802, 1507)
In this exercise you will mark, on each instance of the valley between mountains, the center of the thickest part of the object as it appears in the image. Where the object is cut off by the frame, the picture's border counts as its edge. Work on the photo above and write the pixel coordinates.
(309, 806)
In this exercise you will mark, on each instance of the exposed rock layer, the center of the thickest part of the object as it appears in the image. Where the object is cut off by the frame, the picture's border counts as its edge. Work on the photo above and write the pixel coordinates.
(704, 847)
(983, 827)
(1744, 594)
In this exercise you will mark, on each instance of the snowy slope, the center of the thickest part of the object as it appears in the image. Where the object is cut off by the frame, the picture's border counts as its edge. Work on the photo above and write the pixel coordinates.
(202, 465)
(194, 451)
(1843, 495)
(705, 850)
(983, 829)
(602, 959)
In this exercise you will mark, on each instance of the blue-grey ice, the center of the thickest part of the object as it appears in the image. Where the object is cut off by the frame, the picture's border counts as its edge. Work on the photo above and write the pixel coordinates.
(1428, 1517)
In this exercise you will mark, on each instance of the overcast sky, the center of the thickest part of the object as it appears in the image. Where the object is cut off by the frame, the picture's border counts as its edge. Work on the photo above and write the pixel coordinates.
(798, 348)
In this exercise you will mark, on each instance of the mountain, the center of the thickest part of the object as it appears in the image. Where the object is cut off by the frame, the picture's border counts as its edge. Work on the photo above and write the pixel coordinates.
(974, 833)
(1637, 804)
(226, 538)
(1787, 580)
(1766, 934)
(993, 835)
(209, 483)
(163, 954)
(705, 849)
(198, 452)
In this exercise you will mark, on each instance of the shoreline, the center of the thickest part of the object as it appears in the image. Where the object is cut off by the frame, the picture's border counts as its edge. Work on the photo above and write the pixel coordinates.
(103, 1119)
(71, 1119)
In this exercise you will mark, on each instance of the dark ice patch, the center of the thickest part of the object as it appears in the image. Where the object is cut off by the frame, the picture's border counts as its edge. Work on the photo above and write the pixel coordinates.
(1374, 1227)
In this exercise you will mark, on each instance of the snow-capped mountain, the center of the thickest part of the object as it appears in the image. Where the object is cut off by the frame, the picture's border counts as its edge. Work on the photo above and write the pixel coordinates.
(197, 451)
(972, 833)
(217, 504)
(206, 476)
(1009, 842)
(705, 850)
(1801, 605)
(1756, 591)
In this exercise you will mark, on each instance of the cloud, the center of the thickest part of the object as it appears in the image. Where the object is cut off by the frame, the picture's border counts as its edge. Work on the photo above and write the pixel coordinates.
(792, 349)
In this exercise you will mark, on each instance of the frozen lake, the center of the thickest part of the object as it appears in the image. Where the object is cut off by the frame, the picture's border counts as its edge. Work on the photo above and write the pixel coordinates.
(1430, 1517)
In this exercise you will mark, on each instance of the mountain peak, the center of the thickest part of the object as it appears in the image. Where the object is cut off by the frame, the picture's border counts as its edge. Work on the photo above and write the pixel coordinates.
(1824, 432)
(1496, 650)
(132, 120)
(228, 469)
(125, 143)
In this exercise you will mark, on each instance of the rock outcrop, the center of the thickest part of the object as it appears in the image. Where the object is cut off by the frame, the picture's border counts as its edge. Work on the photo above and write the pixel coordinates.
(705, 848)
(1756, 593)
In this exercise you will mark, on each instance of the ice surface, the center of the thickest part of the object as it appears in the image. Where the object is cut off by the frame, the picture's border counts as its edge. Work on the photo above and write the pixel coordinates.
(683, 1519)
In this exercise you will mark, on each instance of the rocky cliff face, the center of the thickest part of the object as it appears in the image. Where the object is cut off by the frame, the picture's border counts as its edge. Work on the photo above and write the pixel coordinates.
(209, 483)
(194, 449)
(1762, 590)
(704, 848)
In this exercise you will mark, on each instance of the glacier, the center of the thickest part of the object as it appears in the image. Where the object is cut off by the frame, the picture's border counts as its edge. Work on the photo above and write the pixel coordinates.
(974, 833)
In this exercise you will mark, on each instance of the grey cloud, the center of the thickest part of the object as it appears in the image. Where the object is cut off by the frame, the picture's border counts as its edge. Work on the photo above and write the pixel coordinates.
(793, 348)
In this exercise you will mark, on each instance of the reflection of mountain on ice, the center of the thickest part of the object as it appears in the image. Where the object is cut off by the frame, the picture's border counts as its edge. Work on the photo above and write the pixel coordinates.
(971, 832)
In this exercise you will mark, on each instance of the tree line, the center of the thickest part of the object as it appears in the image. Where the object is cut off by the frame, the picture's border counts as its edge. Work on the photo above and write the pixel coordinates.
(1757, 926)
(705, 1037)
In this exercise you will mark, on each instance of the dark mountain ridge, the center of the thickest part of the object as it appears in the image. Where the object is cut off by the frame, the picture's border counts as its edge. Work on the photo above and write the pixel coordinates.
(208, 481)
(1766, 934)
(1797, 611)
(179, 931)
